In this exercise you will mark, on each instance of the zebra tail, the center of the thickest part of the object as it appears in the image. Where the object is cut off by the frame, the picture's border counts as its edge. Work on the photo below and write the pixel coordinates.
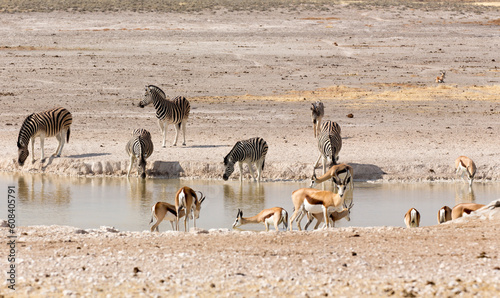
(67, 135)
(263, 162)
(179, 125)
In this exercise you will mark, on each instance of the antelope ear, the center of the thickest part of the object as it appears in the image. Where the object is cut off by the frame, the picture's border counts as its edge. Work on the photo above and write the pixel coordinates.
(334, 179)
(348, 180)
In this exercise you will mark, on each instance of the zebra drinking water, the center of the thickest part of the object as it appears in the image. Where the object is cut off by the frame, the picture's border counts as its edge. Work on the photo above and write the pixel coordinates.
(329, 144)
(55, 122)
(139, 147)
(250, 151)
(175, 111)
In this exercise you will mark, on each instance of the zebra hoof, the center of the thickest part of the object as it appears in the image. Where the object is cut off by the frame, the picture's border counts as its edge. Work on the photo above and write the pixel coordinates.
(173, 145)
(183, 144)
(43, 160)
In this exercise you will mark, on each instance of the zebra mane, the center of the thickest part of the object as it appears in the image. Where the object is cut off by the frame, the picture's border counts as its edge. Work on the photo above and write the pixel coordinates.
(226, 158)
(157, 90)
(22, 132)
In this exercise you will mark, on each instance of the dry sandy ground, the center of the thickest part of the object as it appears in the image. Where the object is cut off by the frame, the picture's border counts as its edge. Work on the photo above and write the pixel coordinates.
(256, 74)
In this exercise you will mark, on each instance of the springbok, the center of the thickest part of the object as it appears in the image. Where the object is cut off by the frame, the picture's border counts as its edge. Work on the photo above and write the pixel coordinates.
(187, 199)
(440, 78)
(267, 217)
(459, 210)
(164, 211)
(463, 164)
(317, 113)
(333, 173)
(334, 216)
(444, 214)
(316, 201)
(412, 218)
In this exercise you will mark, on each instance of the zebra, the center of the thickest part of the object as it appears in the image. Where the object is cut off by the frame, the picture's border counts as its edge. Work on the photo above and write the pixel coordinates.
(175, 111)
(250, 151)
(55, 122)
(329, 144)
(317, 113)
(139, 147)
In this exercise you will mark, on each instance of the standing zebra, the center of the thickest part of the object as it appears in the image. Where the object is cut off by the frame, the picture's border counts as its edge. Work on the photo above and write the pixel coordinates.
(317, 113)
(175, 111)
(250, 151)
(55, 122)
(139, 147)
(329, 144)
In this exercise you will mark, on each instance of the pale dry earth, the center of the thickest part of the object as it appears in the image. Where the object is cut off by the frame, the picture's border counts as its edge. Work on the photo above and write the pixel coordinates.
(255, 74)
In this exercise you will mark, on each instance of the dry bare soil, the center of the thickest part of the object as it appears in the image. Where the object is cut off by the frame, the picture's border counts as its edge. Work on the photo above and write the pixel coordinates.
(254, 72)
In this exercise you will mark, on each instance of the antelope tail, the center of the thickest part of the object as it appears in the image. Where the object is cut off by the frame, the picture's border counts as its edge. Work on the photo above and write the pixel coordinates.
(284, 219)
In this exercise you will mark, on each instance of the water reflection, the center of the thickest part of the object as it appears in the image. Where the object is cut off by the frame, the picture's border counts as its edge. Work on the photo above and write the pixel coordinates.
(43, 189)
(464, 193)
(126, 203)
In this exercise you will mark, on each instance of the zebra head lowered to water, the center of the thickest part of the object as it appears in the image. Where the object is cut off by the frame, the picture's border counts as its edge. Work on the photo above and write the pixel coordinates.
(175, 111)
(55, 122)
(139, 147)
(248, 151)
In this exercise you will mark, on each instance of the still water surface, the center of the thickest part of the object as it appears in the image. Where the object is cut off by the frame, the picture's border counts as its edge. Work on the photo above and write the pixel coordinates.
(126, 204)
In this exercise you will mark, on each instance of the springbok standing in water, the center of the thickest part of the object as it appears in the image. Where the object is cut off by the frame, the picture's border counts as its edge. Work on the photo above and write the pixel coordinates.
(465, 165)
(164, 211)
(187, 199)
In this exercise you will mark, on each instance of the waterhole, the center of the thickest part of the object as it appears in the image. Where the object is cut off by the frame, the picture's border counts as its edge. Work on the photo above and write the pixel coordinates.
(126, 203)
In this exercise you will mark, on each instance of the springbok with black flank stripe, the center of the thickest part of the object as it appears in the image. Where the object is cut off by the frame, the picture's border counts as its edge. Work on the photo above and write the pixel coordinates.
(164, 211)
(186, 199)
(316, 201)
(272, 216)
(335, 173)
(334, 216)
(55, 122)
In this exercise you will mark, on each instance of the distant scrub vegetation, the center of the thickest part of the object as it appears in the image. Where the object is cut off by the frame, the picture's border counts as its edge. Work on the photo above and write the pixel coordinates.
(13, 6)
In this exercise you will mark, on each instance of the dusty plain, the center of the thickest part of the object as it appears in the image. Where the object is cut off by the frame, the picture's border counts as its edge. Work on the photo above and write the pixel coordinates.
(249, 73)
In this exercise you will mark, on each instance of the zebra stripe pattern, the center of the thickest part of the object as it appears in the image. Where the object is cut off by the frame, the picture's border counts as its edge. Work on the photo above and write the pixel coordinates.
(139, 147)
(175, 111)
(329, 143)
(249, 151)
(55, 122)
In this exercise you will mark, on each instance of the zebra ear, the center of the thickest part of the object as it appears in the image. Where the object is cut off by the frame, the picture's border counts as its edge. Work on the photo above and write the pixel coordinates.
(19, 146)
